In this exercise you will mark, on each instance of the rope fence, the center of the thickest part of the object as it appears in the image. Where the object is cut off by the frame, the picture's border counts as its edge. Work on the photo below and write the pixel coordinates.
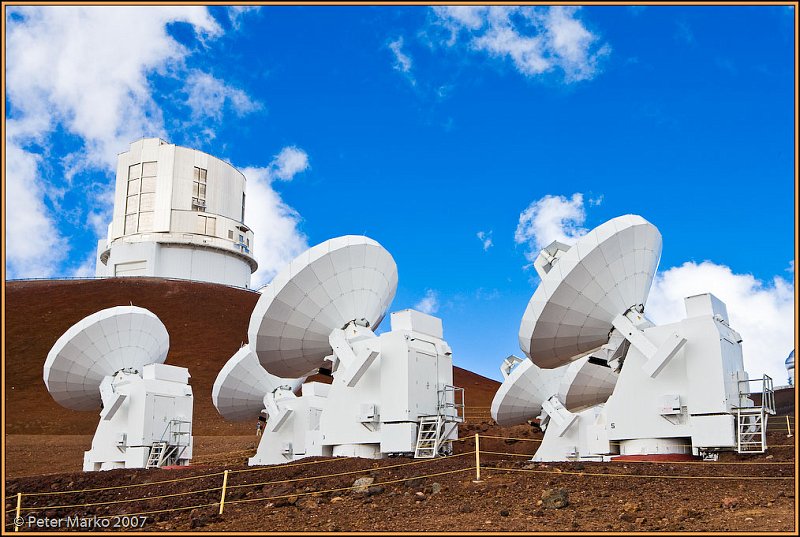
(477, 467)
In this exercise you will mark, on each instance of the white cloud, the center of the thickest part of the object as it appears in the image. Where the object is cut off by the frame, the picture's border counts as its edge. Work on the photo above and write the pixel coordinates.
(402, 62)
(87, 67)
(34, 247)
(594, 202)
(456, 17)
(548, 219)
(486, 239)
(237, 13)
(208, 95)
(84, 71)
(85, 269)
(288, 163)
(429, 303)
(762, 313)
(537, 39)
(274, 223)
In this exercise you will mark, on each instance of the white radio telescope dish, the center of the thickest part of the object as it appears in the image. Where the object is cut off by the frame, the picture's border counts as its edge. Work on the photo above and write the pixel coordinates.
(240, 387)
(113, 339)
(350, 278)
(579, 385)
(586, 383)
(520, 396)
(608, 271)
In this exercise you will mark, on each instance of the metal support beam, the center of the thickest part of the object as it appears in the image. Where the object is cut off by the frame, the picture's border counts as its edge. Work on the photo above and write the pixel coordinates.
(657, 356)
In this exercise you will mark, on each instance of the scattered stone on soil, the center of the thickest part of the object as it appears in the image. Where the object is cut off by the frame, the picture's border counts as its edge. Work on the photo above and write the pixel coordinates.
(630, 507)
(361, 485)
(685, 513)
(555, 498)
(729, 502)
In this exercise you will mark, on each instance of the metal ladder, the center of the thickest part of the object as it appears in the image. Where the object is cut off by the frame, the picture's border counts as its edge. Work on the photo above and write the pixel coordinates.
(751, 422)
(430, 428)
(156, 456)
(752, 433)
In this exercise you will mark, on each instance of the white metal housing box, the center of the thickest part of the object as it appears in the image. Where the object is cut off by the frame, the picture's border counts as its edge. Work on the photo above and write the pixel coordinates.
(317, 389)
(169, 373)
(670, 405)
(416, 321)
(705, 304)
(718, 431)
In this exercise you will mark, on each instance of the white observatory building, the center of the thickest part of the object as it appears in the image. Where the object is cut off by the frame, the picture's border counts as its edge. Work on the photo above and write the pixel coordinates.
(178, 213)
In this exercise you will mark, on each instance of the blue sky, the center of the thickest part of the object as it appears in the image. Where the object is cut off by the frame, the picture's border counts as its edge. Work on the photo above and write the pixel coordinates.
(422, 128)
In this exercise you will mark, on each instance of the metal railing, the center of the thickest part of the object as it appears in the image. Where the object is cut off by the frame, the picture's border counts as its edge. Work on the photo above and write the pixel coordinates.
(448, 399)
(767, 393)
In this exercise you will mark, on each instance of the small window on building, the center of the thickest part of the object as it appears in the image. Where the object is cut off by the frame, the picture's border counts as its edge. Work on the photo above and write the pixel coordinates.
(130, 223)
(135, 171)
(148, 184)
(133, 187)
(132, 205)
(230, 234)
(241, 238)
(242, 207)
(199, 189)
(248, 243)
(147, 202)
(146, 221)
(149, 169)
(206, 225)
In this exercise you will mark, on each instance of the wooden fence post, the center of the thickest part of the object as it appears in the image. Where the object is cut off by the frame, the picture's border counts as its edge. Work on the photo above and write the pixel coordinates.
(477, 459)
(19, 508)
(224, 488)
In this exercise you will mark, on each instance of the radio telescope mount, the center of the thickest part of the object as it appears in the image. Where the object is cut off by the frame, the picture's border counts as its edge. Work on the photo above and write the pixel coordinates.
(113, 360)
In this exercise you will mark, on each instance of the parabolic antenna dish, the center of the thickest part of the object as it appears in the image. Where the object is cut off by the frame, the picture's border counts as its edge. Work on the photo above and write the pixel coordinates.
(341, 280)
(606, 272)
(123, 337)
(521, 395)
(586, 384)
(241, 385)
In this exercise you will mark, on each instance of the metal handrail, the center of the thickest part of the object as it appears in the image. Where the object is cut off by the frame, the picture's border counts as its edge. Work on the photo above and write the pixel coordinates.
(767, 394)
(445, 404)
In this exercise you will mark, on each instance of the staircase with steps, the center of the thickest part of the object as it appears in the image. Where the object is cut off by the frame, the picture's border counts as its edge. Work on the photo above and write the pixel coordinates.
(428, 437)
(751, 421)
(173, 443)
(433, 431)
(157, 454)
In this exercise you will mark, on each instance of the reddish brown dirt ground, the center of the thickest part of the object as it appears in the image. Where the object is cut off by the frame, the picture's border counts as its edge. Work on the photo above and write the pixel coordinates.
(44, 445)
(261, 499)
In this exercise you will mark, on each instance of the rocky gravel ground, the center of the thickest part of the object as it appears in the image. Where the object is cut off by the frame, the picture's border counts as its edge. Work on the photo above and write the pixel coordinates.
(440, 495)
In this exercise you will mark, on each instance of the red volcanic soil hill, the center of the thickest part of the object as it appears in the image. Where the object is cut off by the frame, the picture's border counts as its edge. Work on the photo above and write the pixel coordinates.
(207, 323)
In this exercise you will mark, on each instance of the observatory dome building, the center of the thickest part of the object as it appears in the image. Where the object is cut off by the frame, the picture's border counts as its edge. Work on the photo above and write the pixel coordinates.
(178, 213)
(789, 363)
